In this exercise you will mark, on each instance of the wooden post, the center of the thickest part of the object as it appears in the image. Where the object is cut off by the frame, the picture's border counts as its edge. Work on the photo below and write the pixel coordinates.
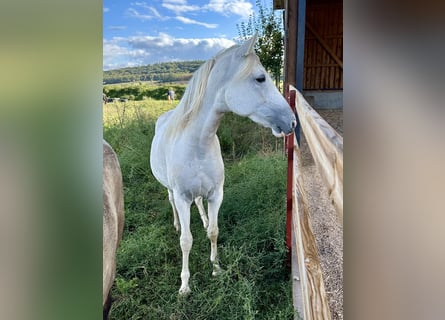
(301, 22)
(289, 78)
(294, 22)
(294, 30)
(290, 174)
(290, 43)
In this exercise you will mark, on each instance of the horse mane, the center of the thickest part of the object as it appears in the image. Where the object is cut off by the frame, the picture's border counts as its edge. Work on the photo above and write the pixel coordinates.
(192, 99)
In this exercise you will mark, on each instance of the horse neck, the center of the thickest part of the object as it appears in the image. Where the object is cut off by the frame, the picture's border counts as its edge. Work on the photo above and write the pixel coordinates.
(206, 123)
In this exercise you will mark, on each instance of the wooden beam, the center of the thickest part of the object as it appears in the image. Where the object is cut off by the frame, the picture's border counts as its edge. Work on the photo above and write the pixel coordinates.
(324, 45)
(326, 146)
(313, 293)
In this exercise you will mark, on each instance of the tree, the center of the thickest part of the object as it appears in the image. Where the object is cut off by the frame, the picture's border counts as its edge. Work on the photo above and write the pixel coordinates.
(270, 45)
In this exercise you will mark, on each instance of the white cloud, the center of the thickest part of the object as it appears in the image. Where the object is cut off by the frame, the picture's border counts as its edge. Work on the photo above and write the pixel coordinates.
(151, 9)
(157, 14)
(241, 8)
(131, 12)
(142, 50)
(180, 6)
(178, 9)
(227, 7)
(150, 12)
(106, 9)
(191, 21)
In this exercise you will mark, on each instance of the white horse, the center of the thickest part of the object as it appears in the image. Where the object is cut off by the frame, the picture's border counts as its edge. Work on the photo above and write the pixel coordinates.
(185, 153)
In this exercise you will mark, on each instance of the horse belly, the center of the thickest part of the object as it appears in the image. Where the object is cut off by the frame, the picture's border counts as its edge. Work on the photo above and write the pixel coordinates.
(194, 180)
(158, 163)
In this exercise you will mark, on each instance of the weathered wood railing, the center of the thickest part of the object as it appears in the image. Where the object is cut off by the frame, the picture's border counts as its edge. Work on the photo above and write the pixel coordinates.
(326, 146)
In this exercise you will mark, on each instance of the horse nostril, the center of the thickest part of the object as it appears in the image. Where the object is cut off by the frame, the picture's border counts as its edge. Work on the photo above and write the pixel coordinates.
(294, 124)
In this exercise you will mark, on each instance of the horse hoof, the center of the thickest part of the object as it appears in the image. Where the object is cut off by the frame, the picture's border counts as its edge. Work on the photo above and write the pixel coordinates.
(184, 291)
(217, 270)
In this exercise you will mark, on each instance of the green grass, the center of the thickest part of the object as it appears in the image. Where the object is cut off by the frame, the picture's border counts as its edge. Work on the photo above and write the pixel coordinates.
(255, 283)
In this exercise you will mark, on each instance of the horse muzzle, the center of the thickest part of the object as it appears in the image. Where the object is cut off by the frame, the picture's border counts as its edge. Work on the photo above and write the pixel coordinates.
(284, 127)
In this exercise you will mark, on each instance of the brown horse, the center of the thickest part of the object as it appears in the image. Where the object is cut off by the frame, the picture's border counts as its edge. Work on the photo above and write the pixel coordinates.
(113, 221)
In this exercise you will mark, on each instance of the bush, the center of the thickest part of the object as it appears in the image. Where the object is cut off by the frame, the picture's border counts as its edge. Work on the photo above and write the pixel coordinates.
(138, 91)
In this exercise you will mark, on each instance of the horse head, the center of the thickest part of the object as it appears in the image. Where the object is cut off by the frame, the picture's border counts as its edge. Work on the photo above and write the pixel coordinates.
(250, 91)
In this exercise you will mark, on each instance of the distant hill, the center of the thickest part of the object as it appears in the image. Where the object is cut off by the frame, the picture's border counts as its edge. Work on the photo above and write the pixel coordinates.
(161, 72)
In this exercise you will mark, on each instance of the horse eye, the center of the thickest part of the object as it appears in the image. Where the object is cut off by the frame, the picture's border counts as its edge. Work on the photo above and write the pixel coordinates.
(261, 78)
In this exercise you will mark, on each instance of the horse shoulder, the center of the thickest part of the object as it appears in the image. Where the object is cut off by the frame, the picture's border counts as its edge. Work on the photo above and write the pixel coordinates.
(162, 120)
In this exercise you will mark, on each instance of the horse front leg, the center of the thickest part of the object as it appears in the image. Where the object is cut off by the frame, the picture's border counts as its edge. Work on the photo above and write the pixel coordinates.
(212, 231)
(175, 212)
(186, 241)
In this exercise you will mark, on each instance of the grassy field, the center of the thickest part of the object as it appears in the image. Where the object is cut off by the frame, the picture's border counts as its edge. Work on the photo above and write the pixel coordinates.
(255, 283)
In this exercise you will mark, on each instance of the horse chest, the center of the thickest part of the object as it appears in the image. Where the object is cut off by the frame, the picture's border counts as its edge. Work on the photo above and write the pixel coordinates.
(197, 177)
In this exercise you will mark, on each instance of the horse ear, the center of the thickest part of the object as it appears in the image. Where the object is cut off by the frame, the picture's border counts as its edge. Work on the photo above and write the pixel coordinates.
(248, 46)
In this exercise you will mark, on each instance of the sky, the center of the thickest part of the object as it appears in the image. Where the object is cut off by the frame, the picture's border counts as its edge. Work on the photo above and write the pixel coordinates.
(146, 32)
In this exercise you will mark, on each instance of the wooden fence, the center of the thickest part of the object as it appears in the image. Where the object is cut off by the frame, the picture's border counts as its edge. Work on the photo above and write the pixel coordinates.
(326, 145)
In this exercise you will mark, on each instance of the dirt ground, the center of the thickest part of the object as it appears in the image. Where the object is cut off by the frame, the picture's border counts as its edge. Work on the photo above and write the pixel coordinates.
(326, 227)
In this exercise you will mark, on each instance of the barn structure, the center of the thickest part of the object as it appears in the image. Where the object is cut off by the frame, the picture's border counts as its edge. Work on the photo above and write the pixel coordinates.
(314, 49)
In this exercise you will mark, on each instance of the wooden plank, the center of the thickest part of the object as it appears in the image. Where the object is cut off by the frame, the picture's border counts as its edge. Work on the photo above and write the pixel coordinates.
(314, 59)
(325, 61)
(340, 20)
(324, 65)
(324, 44)
(327, 36)
(309, 64)
(318, 68)
(297, 294)
(313, 293)
(305, 72)
(340, 49)
(326, 146)
(333, 44)
(339, 30)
